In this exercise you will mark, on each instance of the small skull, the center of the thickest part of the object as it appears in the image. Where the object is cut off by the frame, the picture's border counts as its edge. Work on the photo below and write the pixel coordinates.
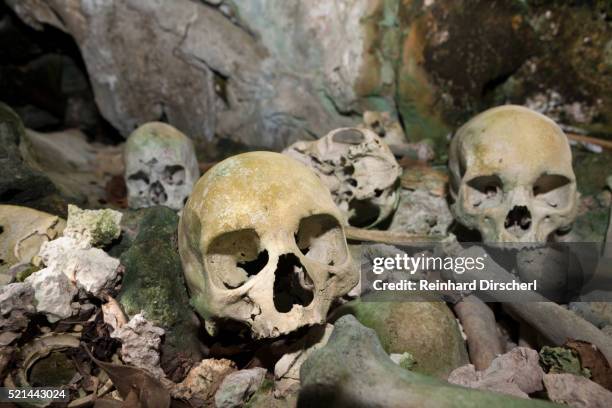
(359, 170)
(511, 176)
(262, 244)
(160, 166)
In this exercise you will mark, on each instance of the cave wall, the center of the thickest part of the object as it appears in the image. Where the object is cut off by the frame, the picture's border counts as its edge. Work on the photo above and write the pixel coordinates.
(261, 74)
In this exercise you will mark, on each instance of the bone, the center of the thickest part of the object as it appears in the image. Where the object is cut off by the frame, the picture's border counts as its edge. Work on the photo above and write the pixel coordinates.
(478, 323)
(386, 237)
(359, 170)
(511, 176)
(555, 323)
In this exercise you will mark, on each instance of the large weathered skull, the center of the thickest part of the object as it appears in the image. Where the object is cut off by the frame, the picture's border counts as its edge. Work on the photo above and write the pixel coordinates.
(511, 176)
(160, 166)
(358, 168)
(262, 243)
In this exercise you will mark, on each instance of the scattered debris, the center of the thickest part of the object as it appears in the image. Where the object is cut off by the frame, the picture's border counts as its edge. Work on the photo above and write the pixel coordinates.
(515, 373)
(237, 387)
(140, 344)
(203, 380)
(576, 391)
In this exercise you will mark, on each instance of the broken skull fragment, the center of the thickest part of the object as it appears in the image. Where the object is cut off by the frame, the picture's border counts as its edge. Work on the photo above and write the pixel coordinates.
(262, 243)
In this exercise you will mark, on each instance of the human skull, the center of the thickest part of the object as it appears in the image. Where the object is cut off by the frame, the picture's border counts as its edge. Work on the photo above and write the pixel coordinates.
(262, 243)
(511, 176)
(160, 166)
(358, 168)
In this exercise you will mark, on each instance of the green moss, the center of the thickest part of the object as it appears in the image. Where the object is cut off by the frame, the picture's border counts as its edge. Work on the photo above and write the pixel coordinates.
(153, 281)
(24, 273)
(558, 360)
(426, 330)
(102, 225)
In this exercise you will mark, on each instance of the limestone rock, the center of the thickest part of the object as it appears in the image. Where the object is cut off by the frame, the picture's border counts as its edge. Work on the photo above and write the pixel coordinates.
(427, 330)
(90, 269)
(576, 391)
(237, 387)
(515, 373)
(140, 344)
(98, 227)
(53, 292)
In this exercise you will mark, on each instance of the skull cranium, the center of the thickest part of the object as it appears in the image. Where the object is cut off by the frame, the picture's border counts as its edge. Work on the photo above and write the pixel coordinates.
(160, 166)
(358, 168)
(511, 176)
(262, 244)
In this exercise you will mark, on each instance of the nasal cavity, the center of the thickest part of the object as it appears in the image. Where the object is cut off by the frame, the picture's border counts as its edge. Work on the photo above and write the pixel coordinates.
(518, 219)
(292, 285)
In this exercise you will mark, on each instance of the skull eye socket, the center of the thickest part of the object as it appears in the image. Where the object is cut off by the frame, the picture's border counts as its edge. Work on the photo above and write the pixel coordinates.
(234, 257)
(554, 189)
(138, 182)
(174, 175)
(486, 190)
(320, 238)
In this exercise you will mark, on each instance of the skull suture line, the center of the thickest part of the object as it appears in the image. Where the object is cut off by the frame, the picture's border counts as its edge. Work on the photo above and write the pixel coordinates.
(160, 166)
(511, 176)
(261, 243)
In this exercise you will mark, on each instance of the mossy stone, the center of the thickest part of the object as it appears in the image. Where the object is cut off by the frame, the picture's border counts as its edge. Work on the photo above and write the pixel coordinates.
(153, 280)
(426, 330)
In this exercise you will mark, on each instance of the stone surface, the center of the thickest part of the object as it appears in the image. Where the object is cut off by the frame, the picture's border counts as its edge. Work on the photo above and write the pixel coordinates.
(140, 344)
(153, 279)
(16, 304)
(427, 330)
(238, 387)
(19, 184)
(53, 292)
(576, 391)
(203, 380)
(354, 370)
(98, 227)
(515, 373)
(420, 212)
(90, 269)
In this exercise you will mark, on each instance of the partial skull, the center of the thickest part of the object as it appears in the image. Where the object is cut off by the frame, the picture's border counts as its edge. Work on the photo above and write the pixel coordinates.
(511, 176)
(358, 168)
(262, 243)
(160, 166)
